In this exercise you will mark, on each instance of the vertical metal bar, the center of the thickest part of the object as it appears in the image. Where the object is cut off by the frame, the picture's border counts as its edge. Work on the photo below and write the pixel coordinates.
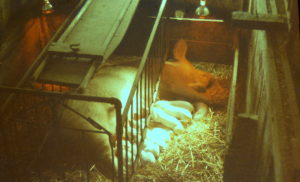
(161, 42)
(141, 106)
(137, 119)
(112, 155)
(119, 130)
(145, 98)
(132, 137)
(148, 84)
(157, 52)
(126, 148)
(151, 79)
(145, 88)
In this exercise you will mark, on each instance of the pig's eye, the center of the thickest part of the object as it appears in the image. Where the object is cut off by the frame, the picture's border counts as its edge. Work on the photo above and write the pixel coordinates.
(210, 83)
(201, 89)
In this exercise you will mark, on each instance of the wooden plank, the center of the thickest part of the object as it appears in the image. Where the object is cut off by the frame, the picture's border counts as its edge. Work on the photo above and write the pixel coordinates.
(290, 146)
(232, 97)
(241, 160)
(206, 51)
(258, 21)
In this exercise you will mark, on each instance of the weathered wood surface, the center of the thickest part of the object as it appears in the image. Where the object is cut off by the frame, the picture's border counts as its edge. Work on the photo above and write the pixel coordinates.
(241, 161)
(270, 95)
(216, 7)
(258, 21)
(231, 107)
(208, 41)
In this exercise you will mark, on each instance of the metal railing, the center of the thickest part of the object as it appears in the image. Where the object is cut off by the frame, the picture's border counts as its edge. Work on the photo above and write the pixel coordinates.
(142, 95)
(26, 123)
(28, 116)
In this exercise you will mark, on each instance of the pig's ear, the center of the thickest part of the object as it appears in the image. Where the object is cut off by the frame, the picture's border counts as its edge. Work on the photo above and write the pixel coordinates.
(180, 50)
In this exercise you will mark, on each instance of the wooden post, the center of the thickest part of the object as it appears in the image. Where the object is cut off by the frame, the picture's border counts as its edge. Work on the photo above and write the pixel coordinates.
(241, 160)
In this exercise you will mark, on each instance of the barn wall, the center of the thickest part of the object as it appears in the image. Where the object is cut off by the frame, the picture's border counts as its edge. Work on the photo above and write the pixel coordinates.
(25, 32)
(219, 8)
(12, 9)
(14, 15)
(207, 41)
(294, 44)
(265, 142)
(4, 12)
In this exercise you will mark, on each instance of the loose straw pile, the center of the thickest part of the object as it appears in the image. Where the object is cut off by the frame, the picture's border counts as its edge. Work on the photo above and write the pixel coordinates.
(195, 155)
(198, 153)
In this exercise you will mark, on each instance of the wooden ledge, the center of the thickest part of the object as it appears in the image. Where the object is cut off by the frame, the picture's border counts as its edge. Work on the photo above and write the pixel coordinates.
(258, 21)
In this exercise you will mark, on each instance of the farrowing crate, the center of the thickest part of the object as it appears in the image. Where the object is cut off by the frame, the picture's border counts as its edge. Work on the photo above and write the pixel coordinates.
(28, 115)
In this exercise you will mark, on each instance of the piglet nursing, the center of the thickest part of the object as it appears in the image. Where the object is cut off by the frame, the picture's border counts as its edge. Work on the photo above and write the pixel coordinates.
(171, 115)
(168, 117)
(201, 111)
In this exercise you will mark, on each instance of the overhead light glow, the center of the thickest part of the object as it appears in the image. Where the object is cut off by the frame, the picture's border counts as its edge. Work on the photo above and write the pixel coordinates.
(179, 14)
(47, 7)
(202, 10)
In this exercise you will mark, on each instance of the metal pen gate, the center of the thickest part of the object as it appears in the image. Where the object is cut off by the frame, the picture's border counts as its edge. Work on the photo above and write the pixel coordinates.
(28, 115)
(141, 97)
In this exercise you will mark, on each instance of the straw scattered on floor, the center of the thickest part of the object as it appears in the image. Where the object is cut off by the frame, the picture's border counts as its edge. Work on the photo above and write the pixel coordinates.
(195, 155)
(198, 153)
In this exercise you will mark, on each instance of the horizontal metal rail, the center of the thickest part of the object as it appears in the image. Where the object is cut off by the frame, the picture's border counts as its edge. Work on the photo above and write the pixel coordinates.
(65, 95)
(192, 19)
(27, 93)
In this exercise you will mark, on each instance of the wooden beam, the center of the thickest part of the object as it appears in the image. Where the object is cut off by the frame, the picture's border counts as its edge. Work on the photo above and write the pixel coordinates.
(258, 21)
(241, 160)
(231, 110)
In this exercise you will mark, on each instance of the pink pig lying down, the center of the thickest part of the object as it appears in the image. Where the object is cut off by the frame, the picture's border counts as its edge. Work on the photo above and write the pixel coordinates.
(110, 81)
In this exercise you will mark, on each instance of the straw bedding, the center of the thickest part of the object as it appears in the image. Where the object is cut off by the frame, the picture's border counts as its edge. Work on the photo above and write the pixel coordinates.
(198, 153)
